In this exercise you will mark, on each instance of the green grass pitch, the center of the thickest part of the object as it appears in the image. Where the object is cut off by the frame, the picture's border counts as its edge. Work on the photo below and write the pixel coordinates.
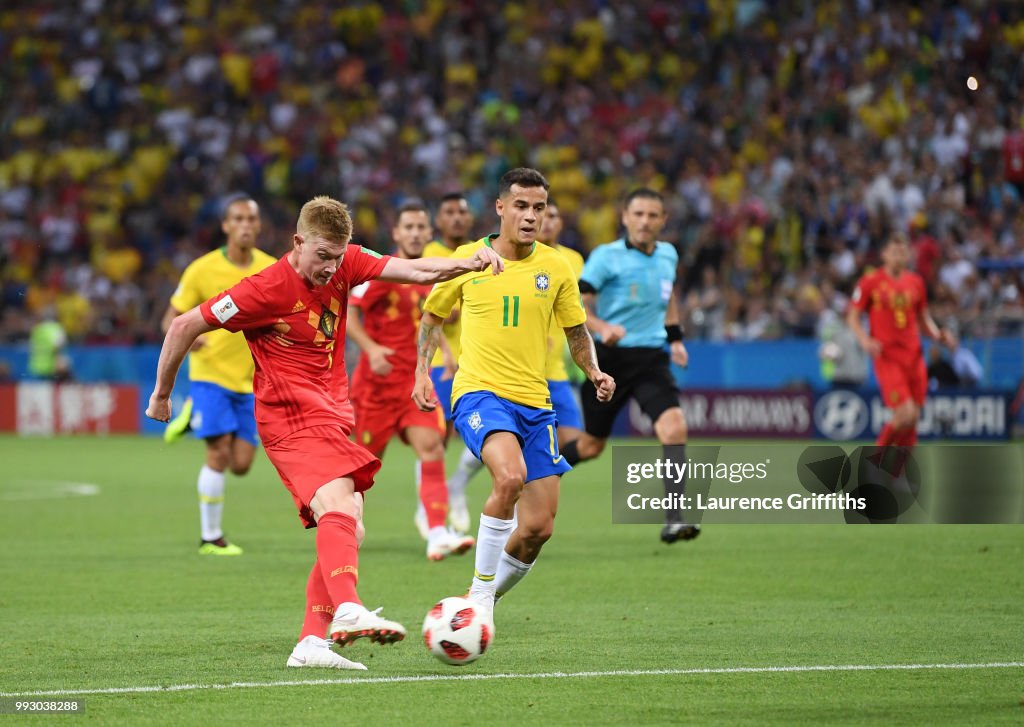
(105, 591)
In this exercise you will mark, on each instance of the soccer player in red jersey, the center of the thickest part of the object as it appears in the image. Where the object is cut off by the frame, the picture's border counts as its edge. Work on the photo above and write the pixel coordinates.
(293, 315)
(384, 319)
(897, 306)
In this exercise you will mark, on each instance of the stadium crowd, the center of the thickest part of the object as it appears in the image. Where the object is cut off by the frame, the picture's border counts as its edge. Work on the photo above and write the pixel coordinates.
(789, 137)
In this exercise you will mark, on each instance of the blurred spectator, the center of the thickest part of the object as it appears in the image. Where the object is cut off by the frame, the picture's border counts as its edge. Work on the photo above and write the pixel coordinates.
(941, 374)
(967, 367)
(47, 340)
(789, 137)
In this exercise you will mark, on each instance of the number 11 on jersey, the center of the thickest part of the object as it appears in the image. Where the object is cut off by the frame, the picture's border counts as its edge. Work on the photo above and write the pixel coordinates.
(515, 311)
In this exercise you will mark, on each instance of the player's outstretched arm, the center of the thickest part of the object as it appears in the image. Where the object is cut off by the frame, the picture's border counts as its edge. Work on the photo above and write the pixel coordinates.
(426, 345)
(183, 331)
(430, 270)
(581, 346)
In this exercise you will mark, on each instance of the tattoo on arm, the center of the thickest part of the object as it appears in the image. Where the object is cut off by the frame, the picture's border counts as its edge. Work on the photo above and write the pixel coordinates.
(429, 340)
(581, 346)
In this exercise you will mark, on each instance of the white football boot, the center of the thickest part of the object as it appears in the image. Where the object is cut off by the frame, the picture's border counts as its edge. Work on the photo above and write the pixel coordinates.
(353, 621)
(314, 651)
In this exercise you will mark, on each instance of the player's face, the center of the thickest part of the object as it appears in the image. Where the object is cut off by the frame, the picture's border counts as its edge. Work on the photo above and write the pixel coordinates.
(454, 219)
(550, 225)
(411, 234)
(520, 212)
(896, 255)
(318, 258)
(241, 224)
(643, 219)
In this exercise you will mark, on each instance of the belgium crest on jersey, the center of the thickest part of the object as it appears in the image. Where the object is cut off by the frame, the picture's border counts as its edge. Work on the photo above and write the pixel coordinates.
(327, 319)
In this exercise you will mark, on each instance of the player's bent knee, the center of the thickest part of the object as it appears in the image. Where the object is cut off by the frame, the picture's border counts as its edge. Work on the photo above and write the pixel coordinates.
(360, 532)
(536, 535)
(589, 447)
(671, 427)
(509, 484)
(241, 469)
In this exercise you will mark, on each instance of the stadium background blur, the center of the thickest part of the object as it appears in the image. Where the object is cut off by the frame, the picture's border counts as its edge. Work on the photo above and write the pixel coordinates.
(789, 139)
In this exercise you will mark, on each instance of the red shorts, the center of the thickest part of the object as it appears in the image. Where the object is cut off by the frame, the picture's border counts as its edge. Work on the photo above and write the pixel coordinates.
(377, 422)
(310, 458)
(901, 382)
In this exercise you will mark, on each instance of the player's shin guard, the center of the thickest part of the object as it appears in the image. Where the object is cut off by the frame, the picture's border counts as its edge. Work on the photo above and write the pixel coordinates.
(337, 551)
(211, 502)
(510, 572)
(675, 453)
(434, 493)
(887, 437)
(319, 606)
(490, 544)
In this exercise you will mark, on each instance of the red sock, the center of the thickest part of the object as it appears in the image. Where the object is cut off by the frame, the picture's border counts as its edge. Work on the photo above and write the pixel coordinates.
(319, 609)
(337, 552)
(887, 437)
(434, 492)
(907, 438)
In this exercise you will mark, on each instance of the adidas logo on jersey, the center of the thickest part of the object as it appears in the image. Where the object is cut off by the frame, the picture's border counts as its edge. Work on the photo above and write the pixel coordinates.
(299, 305)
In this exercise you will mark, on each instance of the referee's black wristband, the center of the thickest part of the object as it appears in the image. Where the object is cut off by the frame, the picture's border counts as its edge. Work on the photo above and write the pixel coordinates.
(674, 331)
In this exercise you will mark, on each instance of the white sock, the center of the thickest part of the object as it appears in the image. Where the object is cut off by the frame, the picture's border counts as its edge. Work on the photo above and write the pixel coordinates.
(469, 465)
(490, 544)
(510, 572)
(211, 502)
(436, 533)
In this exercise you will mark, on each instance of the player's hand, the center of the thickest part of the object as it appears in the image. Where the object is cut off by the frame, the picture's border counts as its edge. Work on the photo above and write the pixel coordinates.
(604, 384)
(485, 258)
(612, 333)
(874, 347)
(678, 353)
(199, 343)
(423, 393)
(159, 408)
(947, 339)
(378, 357)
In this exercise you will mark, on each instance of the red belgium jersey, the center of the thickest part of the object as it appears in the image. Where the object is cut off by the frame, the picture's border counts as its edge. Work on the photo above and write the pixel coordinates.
(292, 328)
(893, 306)
(391, 316)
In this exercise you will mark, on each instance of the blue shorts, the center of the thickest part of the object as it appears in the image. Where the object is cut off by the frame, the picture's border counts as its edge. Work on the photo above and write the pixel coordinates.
(567, 409)
(217, 411)
(481, 413)
(443, 390)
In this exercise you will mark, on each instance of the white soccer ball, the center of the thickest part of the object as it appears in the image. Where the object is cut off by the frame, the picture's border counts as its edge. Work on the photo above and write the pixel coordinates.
(457, 631)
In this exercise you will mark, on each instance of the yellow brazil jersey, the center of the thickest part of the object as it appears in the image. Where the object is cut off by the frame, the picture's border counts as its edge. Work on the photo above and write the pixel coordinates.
(555, 366)
(451, 331)
(225, 359)
(505, 322)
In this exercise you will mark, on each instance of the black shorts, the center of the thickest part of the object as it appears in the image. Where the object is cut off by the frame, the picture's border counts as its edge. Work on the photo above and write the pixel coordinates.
(640, 373)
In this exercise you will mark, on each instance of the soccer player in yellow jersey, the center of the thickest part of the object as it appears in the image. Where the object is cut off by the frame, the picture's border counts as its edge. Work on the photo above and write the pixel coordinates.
(221, 368)
(563, 400)
(500, 397)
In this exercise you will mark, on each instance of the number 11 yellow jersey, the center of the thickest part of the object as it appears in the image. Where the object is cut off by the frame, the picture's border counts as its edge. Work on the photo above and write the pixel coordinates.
(505, 322)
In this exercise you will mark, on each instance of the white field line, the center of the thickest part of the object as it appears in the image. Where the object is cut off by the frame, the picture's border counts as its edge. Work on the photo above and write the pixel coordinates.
(542, 675)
